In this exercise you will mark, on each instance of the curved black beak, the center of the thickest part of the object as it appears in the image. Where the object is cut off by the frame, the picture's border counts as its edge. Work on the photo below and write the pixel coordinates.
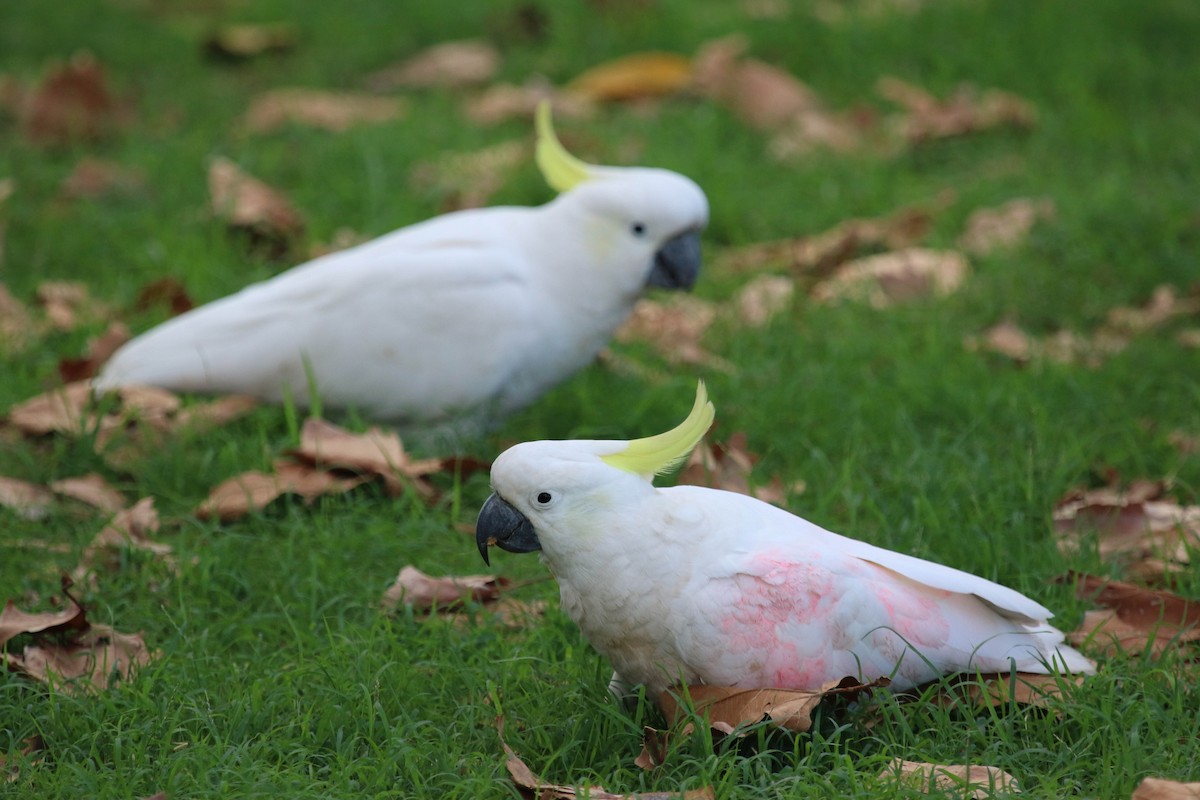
(677, 263)
(502, 525)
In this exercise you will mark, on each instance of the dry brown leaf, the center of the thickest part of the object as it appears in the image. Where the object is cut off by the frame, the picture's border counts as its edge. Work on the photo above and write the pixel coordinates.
(1005, 226)
(166, 291)
(241, 42)
(470, 179)
(376, 452)
(424, 593)
(1164, 305)
(656, 745)
(728, 707)
(1151, 535)
(72, 103)
(962, 780)
(966, 111)
(246, 203)
(450, 65)
(99, 350)
(68, 650)
(727, 466)
(29, 746)
(889, 278)
(94, 178)
(252, 491)
(332, 111)
(1061, 347)
(1137, 619)
(215, 413)
(634, 76)
(68, 304)
(91, 489)
(129, 529)
(675, 329)
(996, 689)
(28, 500)
(16, 323)
(1186, 443)
(506, 101)
(763, 297)
(1162, 789)
(533, 786)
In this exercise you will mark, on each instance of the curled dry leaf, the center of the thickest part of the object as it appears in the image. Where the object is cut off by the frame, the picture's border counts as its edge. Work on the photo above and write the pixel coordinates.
(1161, 789)
(890, 278)
(1164, 305)
(376, 452)
(1062, 347)
(633, 77)
(129, 529)
(252, 491)
(94, 178)
(727, 466)
(424, 593)
(99, 350)
(73, 103)
(241, 42)
(450, 65)
(1150, 534)
(470, 179)
(32, 500)
(68, 304)
(762, 298)
(30, 745)
(28, 500)
(92, 490)
(332, 111)
(675, 329)
(506, 101)
(728, 707)
(246, 203)
(966, 111)
(997, 689)
(1135, 619)
(68, 650)
(990, 229)
(962, 780)
(166, 291)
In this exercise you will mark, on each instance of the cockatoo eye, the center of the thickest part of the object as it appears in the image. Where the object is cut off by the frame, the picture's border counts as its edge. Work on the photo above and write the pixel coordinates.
(544, 498)
(638, 228)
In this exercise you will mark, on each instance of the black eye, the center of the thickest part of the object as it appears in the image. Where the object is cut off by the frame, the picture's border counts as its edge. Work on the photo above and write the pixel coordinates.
(544, 498)
(638, 229)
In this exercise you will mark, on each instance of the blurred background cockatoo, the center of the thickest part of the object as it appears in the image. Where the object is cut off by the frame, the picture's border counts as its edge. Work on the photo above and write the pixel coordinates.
(698, 585)
(452, 323)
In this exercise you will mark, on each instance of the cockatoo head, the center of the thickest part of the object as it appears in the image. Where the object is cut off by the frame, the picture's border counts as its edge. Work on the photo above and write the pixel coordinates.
(655, 213)
(546, 494)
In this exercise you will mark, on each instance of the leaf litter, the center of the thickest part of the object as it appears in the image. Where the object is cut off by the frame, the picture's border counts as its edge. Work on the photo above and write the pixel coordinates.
(424, 593)
(1134, 619)
(247, 204)
(332, 111)
(449, 65)
(728, 466)
(967, 781)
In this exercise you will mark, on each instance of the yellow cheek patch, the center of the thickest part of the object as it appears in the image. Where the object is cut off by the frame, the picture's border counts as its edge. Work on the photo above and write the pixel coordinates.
(657, 454)
(561, 170)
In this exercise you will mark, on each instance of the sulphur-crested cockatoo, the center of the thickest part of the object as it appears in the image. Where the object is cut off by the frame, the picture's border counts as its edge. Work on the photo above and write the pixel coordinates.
(461, 319)
(697, 585)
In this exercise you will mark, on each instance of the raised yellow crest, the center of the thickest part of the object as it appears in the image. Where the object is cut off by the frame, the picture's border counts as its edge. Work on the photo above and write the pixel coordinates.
(561, 170)
(655, 455)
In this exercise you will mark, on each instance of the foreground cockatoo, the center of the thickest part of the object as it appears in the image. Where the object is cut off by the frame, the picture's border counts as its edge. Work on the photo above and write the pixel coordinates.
(697, 585)
(461, 319)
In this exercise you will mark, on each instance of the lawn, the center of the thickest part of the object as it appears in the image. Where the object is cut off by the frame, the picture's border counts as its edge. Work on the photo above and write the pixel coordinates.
(277, 674)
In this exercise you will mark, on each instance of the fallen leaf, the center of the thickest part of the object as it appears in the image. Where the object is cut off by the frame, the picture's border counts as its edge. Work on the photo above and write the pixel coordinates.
(16, 323)
(424, 593)
(129, 529)
(728, 707)
(242, 42)
(99, 350)
(470, 179)
(28, 500)
(94, 178)
(449, 65)
(252, 491)
(728, 466)
(974, 691)
(675, 329)
(29, 746)
(72, 103)
(966, 111)
(215, 413)
(1137, 618)
(979, 782)
(68, 304)
(889, 278)
(332, 111)
(762, 298)
(633, 77)
(656, 745)
(507, 101)
(1186, 443)
(1161, 789)
(1006, 226)
(166, 291)
(246, 203)
(376, 452)
(91, 489)
(1164, 304)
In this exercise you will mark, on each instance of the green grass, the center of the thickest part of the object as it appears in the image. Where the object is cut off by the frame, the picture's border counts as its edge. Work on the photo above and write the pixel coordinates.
(279, 677)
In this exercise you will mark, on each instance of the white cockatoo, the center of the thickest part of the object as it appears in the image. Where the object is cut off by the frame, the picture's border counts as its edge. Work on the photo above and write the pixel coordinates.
(697, 585)
(459, 320)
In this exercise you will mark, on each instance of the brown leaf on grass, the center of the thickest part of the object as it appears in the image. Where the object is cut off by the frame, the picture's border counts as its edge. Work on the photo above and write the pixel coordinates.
(657, 745)
(900, 276)
(376, 452)
(28, 500)
(68, 650)
(332, 111)
(246, 203)
(1061, 347)
(73, 103)
(1135, 619)
(16, 323)
(166, 291)
(768, 98)
(92, 490)
(99, 350)
(424, 593)
(727, 466)
(1189, 337)
(1005, 226)
(975, 691)
(633, 77)
(214, 413)
(966, 111)
(252, 491)
(470, 179)
(1162, 789)
(979, 782)
(530, 785)
(506, 101)
(449, 65)
(29, 746)
(1164, 305)
(674, 328)
(68, 304)
(94, 178)
(1152, 536)
(242, 42)
(728, 707)
(1186, 443)
(129, 529)
(763, 297)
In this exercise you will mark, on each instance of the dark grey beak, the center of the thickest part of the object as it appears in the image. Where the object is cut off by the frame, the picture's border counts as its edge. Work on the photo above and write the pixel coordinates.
(502, 525)
(677, 263)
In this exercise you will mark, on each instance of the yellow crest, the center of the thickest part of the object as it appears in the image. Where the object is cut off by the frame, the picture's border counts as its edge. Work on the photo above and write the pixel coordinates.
(561, 170)
(657, 454)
